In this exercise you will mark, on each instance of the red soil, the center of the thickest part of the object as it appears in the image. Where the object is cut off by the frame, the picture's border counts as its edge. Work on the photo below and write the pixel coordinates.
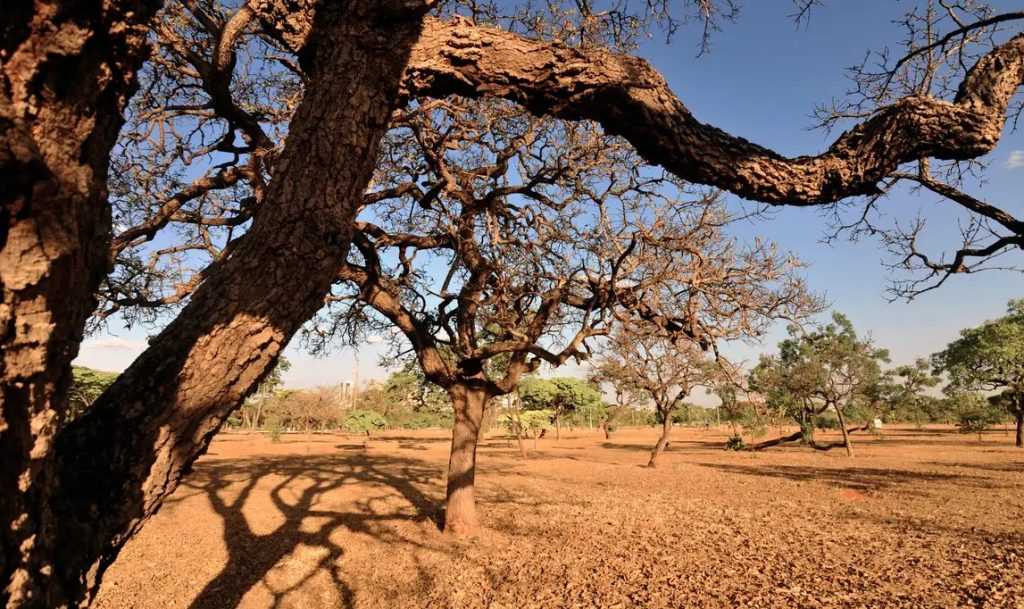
(918, 519)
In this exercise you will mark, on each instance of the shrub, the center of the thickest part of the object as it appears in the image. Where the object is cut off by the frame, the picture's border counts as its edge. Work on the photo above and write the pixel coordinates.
(275, 428)
(976, 421)
(735, 443)
(363, 421)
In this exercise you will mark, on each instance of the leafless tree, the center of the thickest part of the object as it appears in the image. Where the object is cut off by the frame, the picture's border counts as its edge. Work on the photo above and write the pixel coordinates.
(665, 369)
(530, 239)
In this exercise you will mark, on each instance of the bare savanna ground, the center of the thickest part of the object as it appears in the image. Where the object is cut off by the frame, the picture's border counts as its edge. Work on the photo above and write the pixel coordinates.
(921, 518)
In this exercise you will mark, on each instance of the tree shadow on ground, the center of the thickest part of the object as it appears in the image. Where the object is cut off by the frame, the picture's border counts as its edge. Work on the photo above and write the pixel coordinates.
(983, 534)
(297, 486)
(854, 478)
(674, 445)
(1011, 467)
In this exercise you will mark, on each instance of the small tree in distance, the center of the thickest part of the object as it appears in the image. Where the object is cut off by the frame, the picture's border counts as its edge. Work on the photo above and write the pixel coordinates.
(666, 369)
(990, 357)
(86, 385)
(561, 396)
(828, 369)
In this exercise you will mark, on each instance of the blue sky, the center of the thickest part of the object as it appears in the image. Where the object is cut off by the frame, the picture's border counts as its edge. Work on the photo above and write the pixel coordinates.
(761, 81)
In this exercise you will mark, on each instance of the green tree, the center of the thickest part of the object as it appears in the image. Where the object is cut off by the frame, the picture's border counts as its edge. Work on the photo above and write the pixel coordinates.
(86, 385)
(528, 423)
(562, 396)
(363, 421)
(990, 357)
(903, 392)
(410, 389)
(829, 369)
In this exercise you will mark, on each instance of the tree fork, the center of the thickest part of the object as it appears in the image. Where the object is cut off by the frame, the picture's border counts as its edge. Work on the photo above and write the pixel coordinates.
(116, 465)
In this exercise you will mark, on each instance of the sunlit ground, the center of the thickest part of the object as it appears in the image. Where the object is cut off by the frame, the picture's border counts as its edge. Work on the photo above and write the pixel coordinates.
(919, 518)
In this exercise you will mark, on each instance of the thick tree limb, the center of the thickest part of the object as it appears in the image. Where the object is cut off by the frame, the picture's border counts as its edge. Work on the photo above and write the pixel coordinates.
(629, 98)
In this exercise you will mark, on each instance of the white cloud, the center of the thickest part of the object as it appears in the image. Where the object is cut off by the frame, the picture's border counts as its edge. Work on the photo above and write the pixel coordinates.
(115, 343)
(1016, 160)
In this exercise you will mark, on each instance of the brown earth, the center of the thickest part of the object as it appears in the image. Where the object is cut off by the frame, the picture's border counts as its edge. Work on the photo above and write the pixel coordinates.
(919, 518)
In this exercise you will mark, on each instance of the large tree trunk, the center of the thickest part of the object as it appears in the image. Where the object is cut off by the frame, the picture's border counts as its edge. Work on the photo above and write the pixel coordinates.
(116, 465)
(67, 71)
(460, 510)
(666, 429)
(846, 432)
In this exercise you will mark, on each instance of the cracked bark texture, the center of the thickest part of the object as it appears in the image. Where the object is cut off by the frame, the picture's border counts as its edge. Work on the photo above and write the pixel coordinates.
(631, 99)
(628, 97)
(66, 72)
(116, 465)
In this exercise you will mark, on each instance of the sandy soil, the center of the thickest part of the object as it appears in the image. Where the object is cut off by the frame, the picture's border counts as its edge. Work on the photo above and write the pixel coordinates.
(918, 519)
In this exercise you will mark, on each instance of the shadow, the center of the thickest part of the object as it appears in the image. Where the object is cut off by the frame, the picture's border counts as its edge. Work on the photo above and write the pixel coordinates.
(389, 492)
(903, 524)
(1012, 467)
(673, 446)
(414, 439)
(854, 478)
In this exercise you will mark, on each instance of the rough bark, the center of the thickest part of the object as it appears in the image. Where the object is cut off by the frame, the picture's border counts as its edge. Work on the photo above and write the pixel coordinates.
(116, 465)
(666, 429)
(630, 98)
(469, 402)
(66, 71)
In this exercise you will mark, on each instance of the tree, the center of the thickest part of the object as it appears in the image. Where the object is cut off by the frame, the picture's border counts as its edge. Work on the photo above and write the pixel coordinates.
(251, 413)
(561, 396)
(1011, 402)
(665, 369)
(828, 369)
(363, 422)
(535, 238)
(86, 385)
(443, 56)
(527, 423)
(113, 467)
(990, 357)
(903, 390)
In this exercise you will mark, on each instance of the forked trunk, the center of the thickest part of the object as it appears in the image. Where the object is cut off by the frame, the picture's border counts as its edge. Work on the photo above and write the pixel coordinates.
(846, 432)
(117, 463)
(666, 429)
(460, 507)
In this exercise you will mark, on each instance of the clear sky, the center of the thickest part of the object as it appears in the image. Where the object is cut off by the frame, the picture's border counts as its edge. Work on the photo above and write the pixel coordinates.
(761, 81)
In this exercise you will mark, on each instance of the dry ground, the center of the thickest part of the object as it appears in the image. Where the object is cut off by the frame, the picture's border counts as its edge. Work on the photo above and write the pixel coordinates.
(918, 519)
